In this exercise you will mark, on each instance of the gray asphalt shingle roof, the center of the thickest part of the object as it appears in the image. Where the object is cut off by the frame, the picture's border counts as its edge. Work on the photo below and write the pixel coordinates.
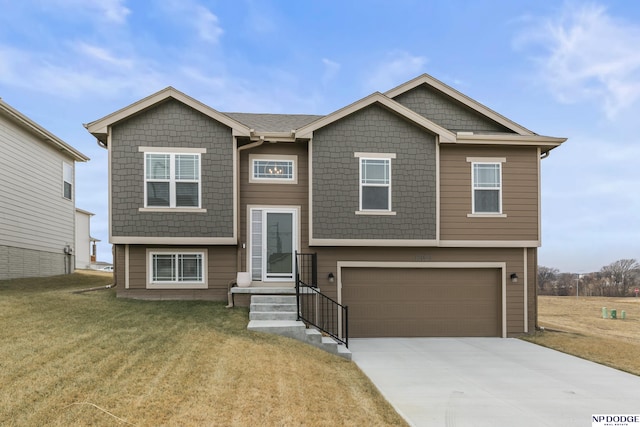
(273, 122)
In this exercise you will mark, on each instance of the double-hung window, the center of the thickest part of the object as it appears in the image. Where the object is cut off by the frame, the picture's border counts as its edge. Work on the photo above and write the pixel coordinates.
(375, 182)
(182, 269)
(487, 187)
(67, 181)
(172, 180)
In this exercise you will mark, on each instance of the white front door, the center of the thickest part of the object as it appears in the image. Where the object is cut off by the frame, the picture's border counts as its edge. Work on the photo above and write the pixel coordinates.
(273, 244)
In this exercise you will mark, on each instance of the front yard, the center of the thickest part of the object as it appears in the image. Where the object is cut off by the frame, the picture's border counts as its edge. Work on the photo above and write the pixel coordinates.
(91, 359)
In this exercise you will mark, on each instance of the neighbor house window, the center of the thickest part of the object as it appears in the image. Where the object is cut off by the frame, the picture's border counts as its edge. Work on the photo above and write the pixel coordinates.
(177, 268)
(172, 180)
(487, 187)
(375, 184)
(67, 181)
(267, 168)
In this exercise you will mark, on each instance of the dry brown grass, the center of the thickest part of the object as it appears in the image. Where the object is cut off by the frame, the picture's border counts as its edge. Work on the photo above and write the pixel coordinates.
(91, 359)
(576, 326)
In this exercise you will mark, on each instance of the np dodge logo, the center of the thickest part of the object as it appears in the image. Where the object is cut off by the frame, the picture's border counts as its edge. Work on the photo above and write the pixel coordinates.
(615, 420)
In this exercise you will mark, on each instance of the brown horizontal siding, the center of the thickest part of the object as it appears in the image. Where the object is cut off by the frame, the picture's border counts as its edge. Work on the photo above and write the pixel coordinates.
(513, 257)
(519, 195)
(221, 263)
(256, 194)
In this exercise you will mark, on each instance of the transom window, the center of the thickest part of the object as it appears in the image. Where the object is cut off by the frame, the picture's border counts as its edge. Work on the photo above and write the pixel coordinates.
(487, 188)
(67, 181)
(172, 180)
(375, 184)
(272, 168)
(177, 267)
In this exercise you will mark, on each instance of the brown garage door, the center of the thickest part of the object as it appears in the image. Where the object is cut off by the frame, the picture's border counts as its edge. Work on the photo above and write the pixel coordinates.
(423, 302)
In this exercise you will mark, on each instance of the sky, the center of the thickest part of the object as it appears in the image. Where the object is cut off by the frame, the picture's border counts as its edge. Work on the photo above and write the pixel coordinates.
(566, 69)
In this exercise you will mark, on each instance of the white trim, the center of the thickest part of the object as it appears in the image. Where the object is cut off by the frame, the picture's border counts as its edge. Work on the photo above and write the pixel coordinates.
(373, 242)
(295, 211)
(526, 286)
(310, 189)
(486, 215)
(445, 134)
(173, 181)
(172, 150)
(110, 187)
(143, 240)
(126, 266)
(176, 285)
(375, 155)
(361, 184)
(486, 160)
(474, 189)
(460, 97)
(453, 265)
(489, 243)
(437, 189)
(235, 158)
(274, 158)
(511, 139)
(539, 219)
(375, 212)
(173, 210)
(68, 167)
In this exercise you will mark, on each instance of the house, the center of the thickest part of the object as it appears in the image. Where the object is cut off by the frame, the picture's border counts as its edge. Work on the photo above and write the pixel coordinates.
(37, 213)
(85, 249)
(422, 205)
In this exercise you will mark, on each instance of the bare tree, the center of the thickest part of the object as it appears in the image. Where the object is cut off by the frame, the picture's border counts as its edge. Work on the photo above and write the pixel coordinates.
(620, 276)
(546, 277)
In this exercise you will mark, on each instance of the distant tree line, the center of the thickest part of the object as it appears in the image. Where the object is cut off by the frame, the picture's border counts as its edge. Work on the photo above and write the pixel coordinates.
(618, 279)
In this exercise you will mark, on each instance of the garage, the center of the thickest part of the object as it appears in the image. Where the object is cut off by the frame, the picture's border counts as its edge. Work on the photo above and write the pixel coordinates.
(423, 302)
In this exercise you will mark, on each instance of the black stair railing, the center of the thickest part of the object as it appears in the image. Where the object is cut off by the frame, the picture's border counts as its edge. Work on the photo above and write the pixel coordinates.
(314, 307)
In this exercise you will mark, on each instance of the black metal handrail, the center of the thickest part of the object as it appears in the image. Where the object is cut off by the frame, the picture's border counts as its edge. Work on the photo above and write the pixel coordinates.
(314, 307)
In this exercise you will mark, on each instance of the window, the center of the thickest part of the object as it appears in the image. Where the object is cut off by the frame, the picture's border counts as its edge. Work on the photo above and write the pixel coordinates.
(267, 168)
(177, 268)
(172, 180)
(487, 188)
(67, 181)
(375, 184)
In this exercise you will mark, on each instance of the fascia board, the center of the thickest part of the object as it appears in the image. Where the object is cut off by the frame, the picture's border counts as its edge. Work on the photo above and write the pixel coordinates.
(444, 134)
(460, 97)
(100, 126)
(41, 132)
(507, 139)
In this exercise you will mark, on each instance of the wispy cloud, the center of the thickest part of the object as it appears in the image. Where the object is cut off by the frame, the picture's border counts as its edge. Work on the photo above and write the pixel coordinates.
(113, 11)
(397, 67)
(584, 53)
(207, 24)
(195, 17)
(331, 69)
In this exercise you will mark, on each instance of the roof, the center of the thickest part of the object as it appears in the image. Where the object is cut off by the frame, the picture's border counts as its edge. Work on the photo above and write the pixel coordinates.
(40, 132)
(273, 122)
(99, 127)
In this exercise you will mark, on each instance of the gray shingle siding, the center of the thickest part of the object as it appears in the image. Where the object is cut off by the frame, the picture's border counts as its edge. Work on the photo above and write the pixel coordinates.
(447, 112)
(336, 174)
(171, 124)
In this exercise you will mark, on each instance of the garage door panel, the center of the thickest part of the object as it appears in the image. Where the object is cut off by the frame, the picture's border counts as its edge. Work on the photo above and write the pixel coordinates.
(422, 302)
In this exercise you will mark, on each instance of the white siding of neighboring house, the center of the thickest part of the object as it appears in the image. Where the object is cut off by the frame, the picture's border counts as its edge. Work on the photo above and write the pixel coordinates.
(83, 240)
(36, 221)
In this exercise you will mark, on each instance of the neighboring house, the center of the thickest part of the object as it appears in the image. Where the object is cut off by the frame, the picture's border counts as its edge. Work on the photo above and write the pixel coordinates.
(37, 212)
(423, 206)
(85, 250)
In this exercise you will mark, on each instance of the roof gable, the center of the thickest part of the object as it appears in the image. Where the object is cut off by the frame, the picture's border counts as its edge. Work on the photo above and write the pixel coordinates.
(444, 134)
(17, 117)
(426, 79)
(99, 128)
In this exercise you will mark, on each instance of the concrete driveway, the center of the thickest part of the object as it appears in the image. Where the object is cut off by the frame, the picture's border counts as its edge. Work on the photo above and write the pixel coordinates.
(492, 382)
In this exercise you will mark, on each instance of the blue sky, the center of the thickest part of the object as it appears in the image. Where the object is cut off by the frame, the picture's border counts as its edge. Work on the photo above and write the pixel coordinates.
(567, 69)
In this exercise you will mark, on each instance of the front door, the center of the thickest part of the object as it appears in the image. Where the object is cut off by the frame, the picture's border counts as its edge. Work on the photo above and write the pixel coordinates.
(273, 244)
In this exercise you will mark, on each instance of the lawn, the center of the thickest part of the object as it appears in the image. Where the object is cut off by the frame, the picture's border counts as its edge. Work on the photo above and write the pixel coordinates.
(575, 326)
(91, 359)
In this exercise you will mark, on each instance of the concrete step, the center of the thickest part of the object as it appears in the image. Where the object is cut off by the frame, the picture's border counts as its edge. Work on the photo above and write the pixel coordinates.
(314, 337)
(261, 299)
(279, 307)
(287, 328)
(273, 315)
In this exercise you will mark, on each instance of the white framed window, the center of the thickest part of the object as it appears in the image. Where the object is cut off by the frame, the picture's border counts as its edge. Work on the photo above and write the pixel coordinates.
(172, 180)
(275, 169)
(375, 183)
(67, 181)
(487, 187)
(176, 269)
